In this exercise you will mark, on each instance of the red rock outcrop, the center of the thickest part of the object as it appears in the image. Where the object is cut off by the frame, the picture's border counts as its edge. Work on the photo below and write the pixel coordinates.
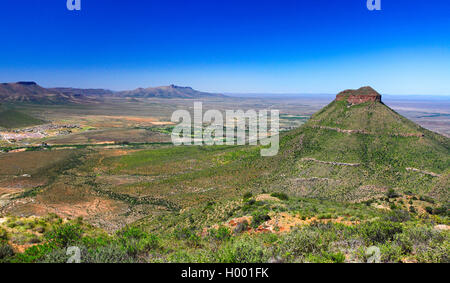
(359, 96)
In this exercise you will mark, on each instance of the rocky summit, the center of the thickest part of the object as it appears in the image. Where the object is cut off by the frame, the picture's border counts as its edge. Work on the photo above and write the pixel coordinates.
(359, 96)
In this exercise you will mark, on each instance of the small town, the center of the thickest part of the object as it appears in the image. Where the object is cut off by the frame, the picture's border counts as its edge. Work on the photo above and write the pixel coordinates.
(37, 132)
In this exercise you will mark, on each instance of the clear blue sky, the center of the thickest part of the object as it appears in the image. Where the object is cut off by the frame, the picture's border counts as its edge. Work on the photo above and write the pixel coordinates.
(297, 46)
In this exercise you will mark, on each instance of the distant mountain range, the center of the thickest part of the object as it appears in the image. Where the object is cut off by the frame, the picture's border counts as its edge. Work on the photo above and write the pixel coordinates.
(84, 92)
(31, 92)
(171, 91)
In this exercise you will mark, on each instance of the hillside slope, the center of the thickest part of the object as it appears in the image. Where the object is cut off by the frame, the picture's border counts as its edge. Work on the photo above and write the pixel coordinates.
(10, 118)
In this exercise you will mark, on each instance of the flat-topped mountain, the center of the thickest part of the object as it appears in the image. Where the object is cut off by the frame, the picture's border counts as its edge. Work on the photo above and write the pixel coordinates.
(31, 92)
(358, 96)
(357, 147)
(171, 91)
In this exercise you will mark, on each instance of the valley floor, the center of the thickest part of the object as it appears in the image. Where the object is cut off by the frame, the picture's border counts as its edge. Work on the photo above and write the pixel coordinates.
(120, 191)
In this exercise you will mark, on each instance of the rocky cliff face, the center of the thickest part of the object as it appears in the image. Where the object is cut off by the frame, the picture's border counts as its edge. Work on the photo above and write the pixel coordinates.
(359, 96)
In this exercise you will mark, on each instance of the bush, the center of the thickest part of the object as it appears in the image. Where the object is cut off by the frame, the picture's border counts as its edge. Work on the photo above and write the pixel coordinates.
(391, 193)
(247, 196)
(65, 235)
(442, 210)
(281, 196)
(58, 255)
(398, 216)
(379, 232)
(108, 254)
(427, 199)
(6, 251)
(417, 236)
(243, 250)
(99, 241)
(325, 216)
(131, 233)
(35, 253)
(183, 233)
(221, 234)
(136, 241)
(241, 227)
(3, 235)
(259, 217)
(391, 253)
(434, 253)
(326, 257)
(429, 210)
(296, 245)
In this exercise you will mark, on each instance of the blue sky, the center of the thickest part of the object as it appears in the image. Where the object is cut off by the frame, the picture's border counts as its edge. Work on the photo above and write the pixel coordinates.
(277, 46)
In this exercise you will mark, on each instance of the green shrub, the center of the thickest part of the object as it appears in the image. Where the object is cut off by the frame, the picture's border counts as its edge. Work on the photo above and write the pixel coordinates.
(136, 241)
(221, 234)
(35, 253)
(398, 215)
(391, 253)
(429, 210)
(183, 233)
(248, 203)
(6, 251)
(247, 196)
(108, 254)
(65, 235)
(420, 236)
(243, 250)
(296, 245)
(436, 252)
(94, 242)
(58, 255)
(281, 196)
(3, 235)
(259, 217)
(105, 254)
(326, 257)
(379, 232)
(194, 240)
(427, 199)
(325, 216)
(391, 193)
(241, 227)
(131, 233)
(442, 210)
